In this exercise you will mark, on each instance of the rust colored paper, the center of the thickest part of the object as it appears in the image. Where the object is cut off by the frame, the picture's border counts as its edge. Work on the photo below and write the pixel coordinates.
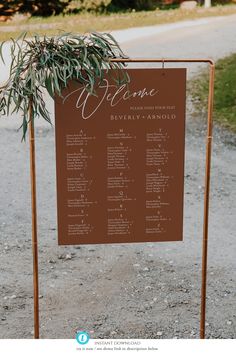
(120, 159)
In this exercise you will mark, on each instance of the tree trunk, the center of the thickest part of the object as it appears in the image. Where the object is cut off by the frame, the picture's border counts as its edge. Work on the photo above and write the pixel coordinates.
(207, 3)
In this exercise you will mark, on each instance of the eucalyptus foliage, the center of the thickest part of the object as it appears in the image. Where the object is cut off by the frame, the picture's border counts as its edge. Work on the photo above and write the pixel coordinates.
(50, 63)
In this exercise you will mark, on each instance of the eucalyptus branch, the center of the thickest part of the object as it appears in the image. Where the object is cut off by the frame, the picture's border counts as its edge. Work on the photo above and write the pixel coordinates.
(50, 63)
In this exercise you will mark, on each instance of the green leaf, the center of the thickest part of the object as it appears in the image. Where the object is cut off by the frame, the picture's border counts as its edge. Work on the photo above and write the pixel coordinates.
(48, 85)
(1, 52)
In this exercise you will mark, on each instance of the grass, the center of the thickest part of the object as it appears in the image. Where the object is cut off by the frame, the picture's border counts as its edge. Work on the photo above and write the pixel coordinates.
(86, 22)
(225, 92)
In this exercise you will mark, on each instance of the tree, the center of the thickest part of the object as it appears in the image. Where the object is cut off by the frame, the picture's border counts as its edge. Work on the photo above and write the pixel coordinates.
(34, 7)
(44, 8)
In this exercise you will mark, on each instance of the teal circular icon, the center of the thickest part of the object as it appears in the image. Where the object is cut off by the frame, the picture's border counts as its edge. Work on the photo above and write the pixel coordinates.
(82, 337)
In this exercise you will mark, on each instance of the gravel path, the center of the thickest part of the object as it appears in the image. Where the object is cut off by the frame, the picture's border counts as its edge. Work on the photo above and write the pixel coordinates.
(123, 291)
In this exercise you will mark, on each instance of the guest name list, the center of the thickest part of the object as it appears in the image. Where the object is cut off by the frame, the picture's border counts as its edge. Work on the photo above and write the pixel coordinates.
(120, 159)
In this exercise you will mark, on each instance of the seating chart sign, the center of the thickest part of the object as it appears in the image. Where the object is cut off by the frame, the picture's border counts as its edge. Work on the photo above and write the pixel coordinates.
(120, 159)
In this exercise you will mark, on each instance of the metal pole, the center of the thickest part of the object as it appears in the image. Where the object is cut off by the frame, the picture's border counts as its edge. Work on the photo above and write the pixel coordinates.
(206, 201)
(34, 222)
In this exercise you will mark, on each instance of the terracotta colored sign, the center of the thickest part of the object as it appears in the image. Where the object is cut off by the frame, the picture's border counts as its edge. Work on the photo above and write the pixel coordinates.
(120, 159)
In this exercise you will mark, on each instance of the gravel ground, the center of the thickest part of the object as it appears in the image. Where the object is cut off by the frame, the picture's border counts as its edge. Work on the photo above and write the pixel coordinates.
(147, 290)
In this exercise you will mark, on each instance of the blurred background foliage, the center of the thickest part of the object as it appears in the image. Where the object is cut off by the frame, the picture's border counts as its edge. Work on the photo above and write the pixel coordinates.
(47, 8)
(37, 8)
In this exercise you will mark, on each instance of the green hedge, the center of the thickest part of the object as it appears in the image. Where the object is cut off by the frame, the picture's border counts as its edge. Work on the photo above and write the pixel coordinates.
(134, 4)
(111, 5)
(89, 5)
